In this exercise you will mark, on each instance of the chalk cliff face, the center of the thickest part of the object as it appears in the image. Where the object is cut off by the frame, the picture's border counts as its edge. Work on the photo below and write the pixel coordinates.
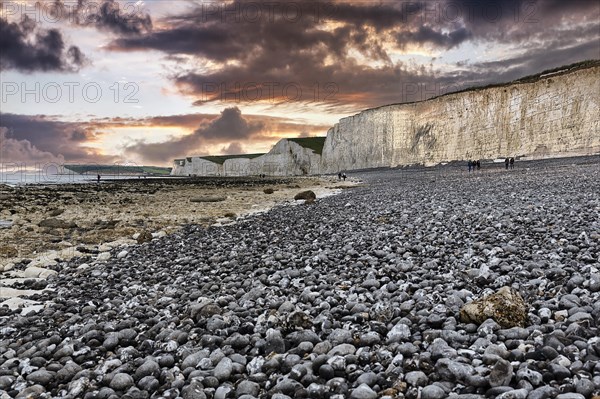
(286, 158)
(555, 115)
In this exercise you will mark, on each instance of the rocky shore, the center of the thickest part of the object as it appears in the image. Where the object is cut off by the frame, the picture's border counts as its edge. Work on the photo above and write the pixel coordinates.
(44, 225)
(425, 283)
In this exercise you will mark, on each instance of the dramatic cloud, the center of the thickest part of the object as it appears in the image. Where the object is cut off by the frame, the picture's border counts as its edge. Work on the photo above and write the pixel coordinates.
(342, 53)
(426, 35)
(121, 18)
(233, 149)
(56, 139)
(229, 126)
(26, 47)
(23, 152)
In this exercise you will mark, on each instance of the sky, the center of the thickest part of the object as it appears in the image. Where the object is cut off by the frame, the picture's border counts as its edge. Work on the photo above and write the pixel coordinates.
(145, 82)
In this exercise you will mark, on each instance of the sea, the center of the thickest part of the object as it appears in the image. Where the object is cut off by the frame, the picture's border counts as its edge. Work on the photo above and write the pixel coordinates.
(45, 178)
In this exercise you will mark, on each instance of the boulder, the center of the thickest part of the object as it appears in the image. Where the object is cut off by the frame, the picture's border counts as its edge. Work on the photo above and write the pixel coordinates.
(56, 212)
(54, 223)
(306, 195)
(144, 236)
(505, 306)
(268, 191)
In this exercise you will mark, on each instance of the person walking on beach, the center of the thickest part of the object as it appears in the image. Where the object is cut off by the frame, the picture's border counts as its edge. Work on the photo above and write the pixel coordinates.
(512, 163)
(98, 177)
(469, 165)
(339, 175)
(506, 161)
(478, 164)
(344, 176)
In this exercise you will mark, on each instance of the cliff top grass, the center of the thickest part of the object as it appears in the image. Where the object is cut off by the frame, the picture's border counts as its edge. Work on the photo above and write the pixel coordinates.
(220, 159)
(561, 70)
(313, 143)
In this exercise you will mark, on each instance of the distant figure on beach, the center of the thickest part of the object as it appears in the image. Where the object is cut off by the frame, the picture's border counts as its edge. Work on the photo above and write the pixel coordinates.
(344, 176)
(339, 175)
(469, 165)
(98, 177)
(512, 163)
(506, 161)
(478, 164)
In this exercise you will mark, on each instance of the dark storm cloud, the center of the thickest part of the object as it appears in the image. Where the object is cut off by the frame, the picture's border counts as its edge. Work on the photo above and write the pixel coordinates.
(46, 135)
(121, 18)
(26, 47)
(250, 43)
(227, 127)
(515, 21)
(111, 17)
(22, 151)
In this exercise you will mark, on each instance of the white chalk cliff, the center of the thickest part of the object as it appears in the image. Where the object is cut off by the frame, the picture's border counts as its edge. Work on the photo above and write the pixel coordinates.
(551, 114)
(286, 158)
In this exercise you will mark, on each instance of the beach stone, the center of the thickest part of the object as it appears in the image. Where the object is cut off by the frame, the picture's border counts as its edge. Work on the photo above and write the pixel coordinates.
(34, 391)
(148, 383)
(363, 391)
(223, 369)
(275, 342)
(121, 382)
(560, 372)
(41, 377)
(433, 392)
(149, 368)
(342, 350)
(514, 394)
(326, 372)
(501, 373)
(268, 191)
(368, 378)
(6, 382)
(584, 387)
(545, 392)
(103, 256)
(451, 370)
(534, 377)
(595, 282)
(400, 332)
(247, 388)
(223, 391)
(439, 349)
(505, 306)
(570, 395)
(340, 336)
(416, 378)
(38, 272)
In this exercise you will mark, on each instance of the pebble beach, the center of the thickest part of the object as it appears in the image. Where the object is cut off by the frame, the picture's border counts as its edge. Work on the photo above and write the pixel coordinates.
(363, 295)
